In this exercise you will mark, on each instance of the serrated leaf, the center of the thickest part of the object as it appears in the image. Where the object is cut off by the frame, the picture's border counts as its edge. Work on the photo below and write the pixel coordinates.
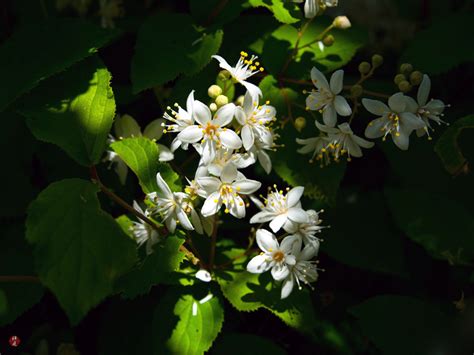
(79, 250)
(74, 110)
(447, 146)
(165, 50)
(185, 323)
(429, 219)
(156, 268)
(442, 40)
(55, 45)
(285, 12)
(410, 325)
(142, 156)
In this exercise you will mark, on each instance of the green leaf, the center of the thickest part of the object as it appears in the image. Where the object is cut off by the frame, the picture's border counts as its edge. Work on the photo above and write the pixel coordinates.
(161, 55)
(442, 40)
(125, 224)
(157, 268)
(141, 155)
(55, 46)
(447, 146)
(74, 110)
(429, 219)
(16, 259)
(409, 325)
(285, 12)
(79, 250)
(185, 323)
(231, 344)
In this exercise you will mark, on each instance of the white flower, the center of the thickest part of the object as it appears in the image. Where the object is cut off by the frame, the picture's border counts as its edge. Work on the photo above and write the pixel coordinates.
(343, 141)
(203, 275)
(170, 205)
(274, 256)
(317, 145)
(227, 191)
(303, 270)
(211, 131)
(326, 98)
(243, 70)
(311, 7)
(165, 154)
(307, 231)
(224, 157)
(254, 120)
(280, 208)
(394, 120)
(143, 232)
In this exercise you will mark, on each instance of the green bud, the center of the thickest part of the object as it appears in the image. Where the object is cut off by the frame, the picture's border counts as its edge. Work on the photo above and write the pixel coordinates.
(416, 77)
(300, 123)
(154, 130)
(399, 78)
(213, 107)
(404, 86)
(328, 41)
(364, 67)
(377, 60)
(406, 68)
(213, 91)
(221, 100)
(223, 75)
(240, 100)
(357, 90)
(125, 126)
(341, 22)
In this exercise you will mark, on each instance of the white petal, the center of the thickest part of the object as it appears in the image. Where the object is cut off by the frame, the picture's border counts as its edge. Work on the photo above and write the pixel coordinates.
(163, 186)
(196, 220)
(375, 107)
(184, 220)
(411, 104)
(424, 90)
(247, 137)
(336, 82)
(397, 102)
(294, 195)
(201, 113)
(341, 106)
(318, 78)
(209, 184)
(330, 115)
(230, 139)
(298, 215)
(374, 128)
(311, 8)
(289, 242)
(265, 161)
(411, 121)
(170, 224)
(222, 62)
(352, 148)
(278, 222)
(280, 271)
(240, 115)
(210, 206)
(238, 208)
(258, 264)
(190, 134)
(246, 186)
(249, 104)
(224, 115)
(362, 142)
(326, 129)
(203, 275)
(190, 103)
(229, 173)
(262, 217)
(165, 154)
(208, 151)
(266, 241)
(287, 286)
(253, 90)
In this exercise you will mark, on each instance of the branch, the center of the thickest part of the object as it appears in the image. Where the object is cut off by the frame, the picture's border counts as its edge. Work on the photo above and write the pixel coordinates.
(217, 10)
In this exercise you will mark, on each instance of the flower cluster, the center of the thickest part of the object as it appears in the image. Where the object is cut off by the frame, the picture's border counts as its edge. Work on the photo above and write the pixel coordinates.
(290, 260)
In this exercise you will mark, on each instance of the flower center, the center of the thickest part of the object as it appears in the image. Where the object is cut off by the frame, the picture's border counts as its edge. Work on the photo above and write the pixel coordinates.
(278, 256)
(210, 129)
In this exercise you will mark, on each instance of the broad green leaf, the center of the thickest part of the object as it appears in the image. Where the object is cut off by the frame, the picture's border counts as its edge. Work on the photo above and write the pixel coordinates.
(441, 40)
(284, 11)
(156, 268)
(161, 55)
(231, 344)
(440, 224)
(141, 155)
(79, 250)
(185, 323)
(447, 146)
(74, 110)
(55, 46)
(409, 325)
(16, 259)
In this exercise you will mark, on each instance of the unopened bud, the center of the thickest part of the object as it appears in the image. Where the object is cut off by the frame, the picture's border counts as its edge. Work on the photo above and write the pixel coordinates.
(399, 78)
(328, 41)
(154, 130)
(240, 100)
(300, 123)
(223, 75)
(213, 91)
(342, 22)
(221, 100)
(377, 60)
(406, 68)
(357, 90)
(364, 67)
(125, 126)
(416, 77)
(404, 86)
(213, 107)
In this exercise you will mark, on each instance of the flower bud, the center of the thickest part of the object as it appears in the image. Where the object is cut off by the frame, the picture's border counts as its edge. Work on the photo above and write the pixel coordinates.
(223, 75)
(357, 90)
(406, 68)
(399, 78)
(364, 67)
(416, 77)
(377, 60)
(125, 126)
(240, 100)
(404, 86)
(341, 22)
(300, 123)
(328, 41)
(154, 130)
(213, 107)
(213, 91)
(221, 100)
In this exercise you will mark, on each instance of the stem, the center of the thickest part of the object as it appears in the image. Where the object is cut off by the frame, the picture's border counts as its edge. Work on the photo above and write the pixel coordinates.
(212, 253)
(376, 94)
(298, 82)
(19, 278)
(297, 48)
(217, 10)
(319, 38)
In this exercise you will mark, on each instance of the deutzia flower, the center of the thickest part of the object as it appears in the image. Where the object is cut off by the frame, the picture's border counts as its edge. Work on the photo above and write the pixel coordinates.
(317, 145)
(211, 131)
(274, 256)
(343, 141)
(311, 7)
(307, 231)
(254, 120)
(280, 208)
(180, 120)
(243, 70)
(326, 98)
(394, 120)
(227, 191)
(303, 270)
(203, 275)
(143, 232)
(224, 157)
(170, 205)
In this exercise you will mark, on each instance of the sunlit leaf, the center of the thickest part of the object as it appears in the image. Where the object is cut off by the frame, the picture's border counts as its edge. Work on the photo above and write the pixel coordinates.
(283, 11)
